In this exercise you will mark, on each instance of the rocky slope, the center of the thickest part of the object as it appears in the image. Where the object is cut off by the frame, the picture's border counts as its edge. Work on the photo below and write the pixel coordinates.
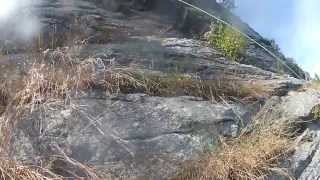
(135, 134)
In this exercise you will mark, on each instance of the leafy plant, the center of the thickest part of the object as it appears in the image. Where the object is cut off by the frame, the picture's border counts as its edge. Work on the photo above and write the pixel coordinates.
(230, 42)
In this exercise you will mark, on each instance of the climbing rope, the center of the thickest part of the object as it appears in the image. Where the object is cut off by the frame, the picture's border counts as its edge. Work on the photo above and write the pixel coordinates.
(243, 34)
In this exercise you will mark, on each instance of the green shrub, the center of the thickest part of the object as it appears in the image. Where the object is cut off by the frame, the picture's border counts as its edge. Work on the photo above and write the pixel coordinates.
(227, 40)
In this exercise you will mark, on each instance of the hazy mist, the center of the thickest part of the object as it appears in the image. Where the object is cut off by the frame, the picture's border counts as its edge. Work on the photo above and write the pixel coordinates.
(17, 21)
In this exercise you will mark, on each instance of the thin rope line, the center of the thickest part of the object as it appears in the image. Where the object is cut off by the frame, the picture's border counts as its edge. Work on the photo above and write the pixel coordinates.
(244, 34)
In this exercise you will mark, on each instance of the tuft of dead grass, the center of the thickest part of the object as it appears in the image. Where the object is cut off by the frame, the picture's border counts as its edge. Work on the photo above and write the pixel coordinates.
(252, 156)
(61, 77)
(190, 85)
(45, 81)
(10, 170)
(315, 84)
(57, 76)
(4, 96)
(59, 168)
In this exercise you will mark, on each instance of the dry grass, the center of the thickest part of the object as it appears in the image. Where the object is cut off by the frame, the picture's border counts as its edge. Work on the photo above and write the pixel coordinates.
(314, 85)
(62, 77)
(58, 77)
(253, 156)
(46, 81)
(10, 170)
(4, 96)
(59, 168)
(188, 85)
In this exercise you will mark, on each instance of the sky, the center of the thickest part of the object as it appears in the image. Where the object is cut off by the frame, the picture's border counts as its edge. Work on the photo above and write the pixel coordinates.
(294, 24)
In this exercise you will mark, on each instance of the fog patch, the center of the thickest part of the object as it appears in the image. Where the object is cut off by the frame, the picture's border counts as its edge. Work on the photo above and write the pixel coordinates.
(17, 21)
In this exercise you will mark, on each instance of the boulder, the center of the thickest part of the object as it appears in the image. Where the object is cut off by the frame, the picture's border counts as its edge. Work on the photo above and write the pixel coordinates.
(296, 108)
(133, 136)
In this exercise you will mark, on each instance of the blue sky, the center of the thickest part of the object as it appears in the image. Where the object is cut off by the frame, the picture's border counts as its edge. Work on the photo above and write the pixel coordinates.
(294, 24)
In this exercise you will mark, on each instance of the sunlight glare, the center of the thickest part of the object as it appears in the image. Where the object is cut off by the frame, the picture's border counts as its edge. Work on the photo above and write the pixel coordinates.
(6, 7)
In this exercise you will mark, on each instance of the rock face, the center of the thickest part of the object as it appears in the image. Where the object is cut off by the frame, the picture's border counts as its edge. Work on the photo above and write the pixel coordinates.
(101, 22)
(139, 136)
(136, 136)
(296, 108)
(129, 136)
(305, 161)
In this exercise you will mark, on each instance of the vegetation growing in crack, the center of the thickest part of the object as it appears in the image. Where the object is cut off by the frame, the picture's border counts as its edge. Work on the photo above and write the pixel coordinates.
(46, 81)
(227, 40)
(12, 170)
(251, 156)
(315, 83)
(4, 94)
(57, 76)
(186, 85)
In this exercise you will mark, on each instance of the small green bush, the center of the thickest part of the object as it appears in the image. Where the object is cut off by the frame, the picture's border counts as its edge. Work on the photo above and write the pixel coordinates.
(227, 40)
